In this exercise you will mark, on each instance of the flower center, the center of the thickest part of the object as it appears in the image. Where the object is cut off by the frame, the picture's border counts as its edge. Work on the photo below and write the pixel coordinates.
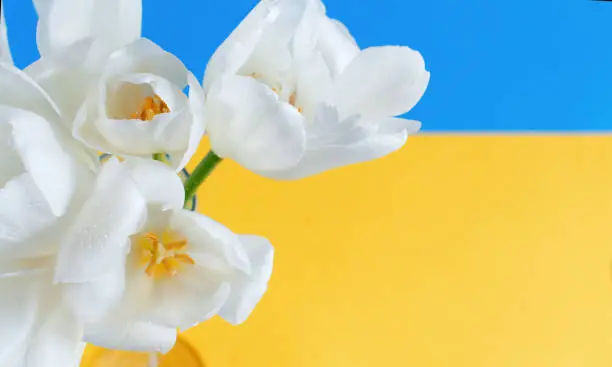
(151, 107)
(163, 256)
(279, 91)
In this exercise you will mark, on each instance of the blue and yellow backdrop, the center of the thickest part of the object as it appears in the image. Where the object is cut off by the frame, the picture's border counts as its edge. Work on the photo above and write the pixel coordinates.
(485, 242)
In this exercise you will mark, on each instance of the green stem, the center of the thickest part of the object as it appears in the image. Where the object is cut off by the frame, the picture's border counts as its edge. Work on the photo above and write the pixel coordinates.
(200, 173)
(160, 157)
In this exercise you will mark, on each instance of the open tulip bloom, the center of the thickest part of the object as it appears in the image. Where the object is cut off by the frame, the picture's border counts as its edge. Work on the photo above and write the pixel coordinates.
(107, 251)
(290, 94)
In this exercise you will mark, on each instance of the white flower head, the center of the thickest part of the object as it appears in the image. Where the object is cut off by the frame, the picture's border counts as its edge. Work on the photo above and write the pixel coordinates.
(290, 94)
(123, 93)
(43, 172)
(136, 266)
(37, 330)
(138, 107)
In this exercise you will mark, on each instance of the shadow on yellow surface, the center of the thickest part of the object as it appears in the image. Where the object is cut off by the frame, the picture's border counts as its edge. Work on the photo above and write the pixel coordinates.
(455, 251)
(182, 355)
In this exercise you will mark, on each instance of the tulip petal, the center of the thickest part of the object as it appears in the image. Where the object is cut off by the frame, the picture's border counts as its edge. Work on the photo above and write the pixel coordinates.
(145, 57)
(62, 23)
(237, 48)
(189, 298)
(381, 82)
(374, 146)
(57, 341)
(314, 85)
(40, 181)
(273, 51)
(135, 336)
(99, 236)
(19, 304)
(109, 24)
(25, 93)
(120, 327)
(267, 30)
(208, 237)
(91, 301)
(52, 169)
(247, 289)
(197, 100)
(398, 125)
(336, 44)
(37, 331)
(246, 122)
(328, 38)
(158, 183)
(68, 79)
(306, 34)
(24, 212)
(68, 88)
(24, 217)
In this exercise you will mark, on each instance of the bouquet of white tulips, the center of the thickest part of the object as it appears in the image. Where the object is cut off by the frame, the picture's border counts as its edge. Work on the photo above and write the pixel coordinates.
(99, 238)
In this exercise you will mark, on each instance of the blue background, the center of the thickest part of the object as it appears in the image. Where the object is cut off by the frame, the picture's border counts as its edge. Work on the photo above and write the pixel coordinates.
(522, 65)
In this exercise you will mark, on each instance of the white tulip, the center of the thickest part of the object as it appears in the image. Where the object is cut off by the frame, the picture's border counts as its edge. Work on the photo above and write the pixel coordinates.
(290, 94)
(123, 94)
(138, 107)
(43, 172)
(44, 175)
(37, 330)
(136, 266)
(5, 51)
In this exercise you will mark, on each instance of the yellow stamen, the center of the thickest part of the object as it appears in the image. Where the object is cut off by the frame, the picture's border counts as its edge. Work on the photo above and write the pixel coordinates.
(151, 236)
(148, 247)
(163, 255)
(170, 265)
(184, 258)
(151, 107)
(150, 270)
(177, 245)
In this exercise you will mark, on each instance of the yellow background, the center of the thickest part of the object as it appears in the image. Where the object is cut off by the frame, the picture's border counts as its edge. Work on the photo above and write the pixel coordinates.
(454, 251)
